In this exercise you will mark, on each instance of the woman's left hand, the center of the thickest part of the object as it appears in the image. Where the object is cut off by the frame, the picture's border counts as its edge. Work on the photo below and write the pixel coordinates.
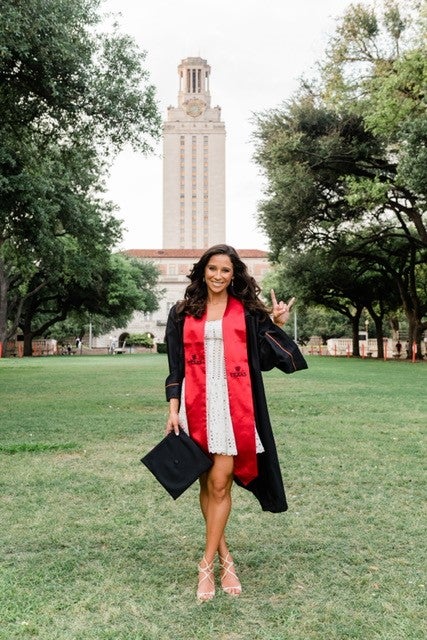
(281, 310)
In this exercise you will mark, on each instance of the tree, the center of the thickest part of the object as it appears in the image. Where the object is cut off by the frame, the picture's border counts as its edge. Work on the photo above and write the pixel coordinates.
(109, 291)
(379, 60)
(321, 276)
(70, 98)
(333, 176)
(376, 67)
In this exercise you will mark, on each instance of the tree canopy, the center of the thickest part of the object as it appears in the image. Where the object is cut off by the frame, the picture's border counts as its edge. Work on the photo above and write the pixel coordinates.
(71, 96)
(344, 163)
(111, 290)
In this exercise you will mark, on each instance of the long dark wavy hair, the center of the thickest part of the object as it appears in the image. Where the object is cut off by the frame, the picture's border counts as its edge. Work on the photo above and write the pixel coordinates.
(243, 286)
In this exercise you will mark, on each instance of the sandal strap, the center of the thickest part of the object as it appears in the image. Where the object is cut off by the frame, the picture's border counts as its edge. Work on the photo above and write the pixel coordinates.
(206, 574)
(228, 568)
(207, 571)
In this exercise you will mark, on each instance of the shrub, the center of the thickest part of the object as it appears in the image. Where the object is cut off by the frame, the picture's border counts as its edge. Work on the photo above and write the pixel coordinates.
(140, 340)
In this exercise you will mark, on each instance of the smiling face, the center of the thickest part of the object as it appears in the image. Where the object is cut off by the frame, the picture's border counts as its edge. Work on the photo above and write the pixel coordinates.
(218, 274)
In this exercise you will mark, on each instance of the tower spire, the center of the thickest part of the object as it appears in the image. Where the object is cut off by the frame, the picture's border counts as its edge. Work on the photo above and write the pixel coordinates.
(194, 81)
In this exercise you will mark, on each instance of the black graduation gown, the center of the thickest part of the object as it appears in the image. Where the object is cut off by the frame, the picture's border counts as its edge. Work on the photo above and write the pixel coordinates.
(268, 347)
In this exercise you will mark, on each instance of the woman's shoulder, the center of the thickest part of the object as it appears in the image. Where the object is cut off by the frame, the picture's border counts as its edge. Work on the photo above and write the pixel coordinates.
(176, 311)
(257, 314)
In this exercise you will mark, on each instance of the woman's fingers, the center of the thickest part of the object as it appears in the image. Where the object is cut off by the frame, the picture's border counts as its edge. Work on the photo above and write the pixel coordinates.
(281, 306)
(173, 424)
(273, 298)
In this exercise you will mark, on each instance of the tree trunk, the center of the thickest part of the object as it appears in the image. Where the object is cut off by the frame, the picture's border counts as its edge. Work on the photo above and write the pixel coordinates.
(378, 321)
(28, 344)
(355, 331)
(10, 304)
(415, 335)
(25, 326)
(3, 308)
(412, 306)
(419, 339)
(380, 339)
(30, 332)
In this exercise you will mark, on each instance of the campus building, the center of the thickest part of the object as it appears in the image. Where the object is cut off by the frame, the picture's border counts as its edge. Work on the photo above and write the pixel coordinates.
(194, 212)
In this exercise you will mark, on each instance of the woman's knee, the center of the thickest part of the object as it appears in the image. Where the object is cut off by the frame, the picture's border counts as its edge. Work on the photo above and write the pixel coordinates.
(219, 489)
(220, 479)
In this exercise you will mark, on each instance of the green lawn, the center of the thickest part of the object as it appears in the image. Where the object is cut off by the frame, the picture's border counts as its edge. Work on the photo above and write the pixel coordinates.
(93, 549)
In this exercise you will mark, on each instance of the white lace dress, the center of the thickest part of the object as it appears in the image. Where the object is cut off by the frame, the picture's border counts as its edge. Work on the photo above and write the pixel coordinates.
(219, 426)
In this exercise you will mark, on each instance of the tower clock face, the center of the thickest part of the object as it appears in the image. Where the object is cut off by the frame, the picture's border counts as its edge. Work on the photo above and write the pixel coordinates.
(195, 107)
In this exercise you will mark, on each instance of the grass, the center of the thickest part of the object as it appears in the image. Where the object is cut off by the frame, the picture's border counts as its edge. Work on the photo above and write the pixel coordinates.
(93, 549)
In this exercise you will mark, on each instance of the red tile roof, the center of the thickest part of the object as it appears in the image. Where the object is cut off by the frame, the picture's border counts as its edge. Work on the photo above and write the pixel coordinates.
(187, 253)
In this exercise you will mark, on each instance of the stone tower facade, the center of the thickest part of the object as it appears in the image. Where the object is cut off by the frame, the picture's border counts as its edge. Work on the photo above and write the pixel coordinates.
(193, 164)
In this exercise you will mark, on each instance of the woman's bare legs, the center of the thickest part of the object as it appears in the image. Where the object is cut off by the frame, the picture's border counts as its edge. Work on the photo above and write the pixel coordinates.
(215, 503)
(204, 499)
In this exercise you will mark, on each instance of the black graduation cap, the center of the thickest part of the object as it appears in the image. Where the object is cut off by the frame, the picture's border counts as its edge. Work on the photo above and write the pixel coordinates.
(176, 462)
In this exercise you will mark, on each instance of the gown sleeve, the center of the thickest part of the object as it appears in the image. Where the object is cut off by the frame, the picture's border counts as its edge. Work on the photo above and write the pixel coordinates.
(175, 351)
(278, 349)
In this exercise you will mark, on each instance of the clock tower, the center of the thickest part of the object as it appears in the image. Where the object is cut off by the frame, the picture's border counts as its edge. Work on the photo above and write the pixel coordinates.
(193, 164)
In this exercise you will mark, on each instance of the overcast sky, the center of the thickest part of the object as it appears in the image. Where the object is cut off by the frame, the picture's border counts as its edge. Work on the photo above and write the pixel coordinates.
(257, 50)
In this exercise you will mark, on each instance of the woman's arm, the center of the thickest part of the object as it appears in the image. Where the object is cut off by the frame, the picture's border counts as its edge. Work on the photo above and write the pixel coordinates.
(277, 349)
(175, 351)
(176, 368)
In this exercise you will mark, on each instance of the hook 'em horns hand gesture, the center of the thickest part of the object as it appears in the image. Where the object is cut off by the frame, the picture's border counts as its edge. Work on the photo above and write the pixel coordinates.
(281, 310)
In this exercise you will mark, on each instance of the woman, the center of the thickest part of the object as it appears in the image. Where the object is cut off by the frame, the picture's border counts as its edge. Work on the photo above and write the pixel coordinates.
(219, 339)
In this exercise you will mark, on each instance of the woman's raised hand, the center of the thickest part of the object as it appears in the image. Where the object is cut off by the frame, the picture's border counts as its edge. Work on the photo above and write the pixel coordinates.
(281, 310)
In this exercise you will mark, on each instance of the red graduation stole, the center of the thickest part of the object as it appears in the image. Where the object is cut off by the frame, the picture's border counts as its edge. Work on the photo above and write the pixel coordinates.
(238, 383)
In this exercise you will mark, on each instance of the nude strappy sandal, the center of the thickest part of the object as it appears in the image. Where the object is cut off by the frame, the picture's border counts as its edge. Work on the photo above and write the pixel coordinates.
(206, 573)
(227, 568)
